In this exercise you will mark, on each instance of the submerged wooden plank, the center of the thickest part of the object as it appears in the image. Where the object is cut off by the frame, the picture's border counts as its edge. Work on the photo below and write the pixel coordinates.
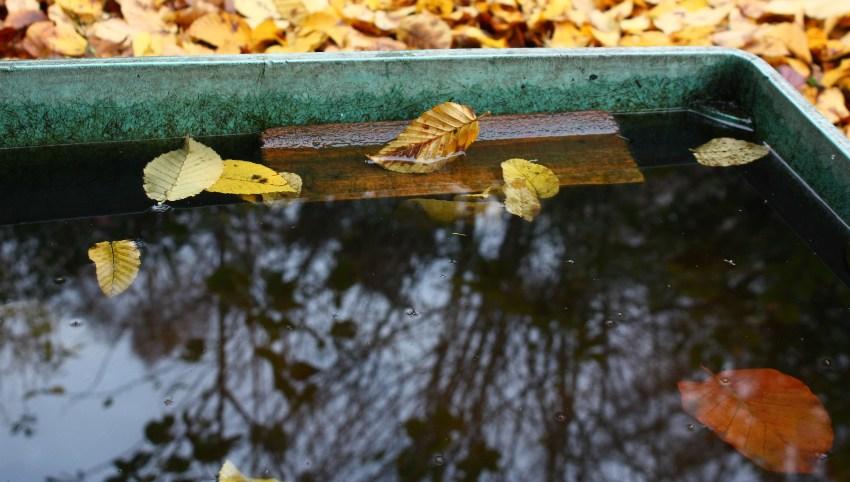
(581, 148)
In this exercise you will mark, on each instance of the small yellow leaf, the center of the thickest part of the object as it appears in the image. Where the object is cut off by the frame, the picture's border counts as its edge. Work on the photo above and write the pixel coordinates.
(272, 198)
(541, 179)
(425, 31)
(116, 263)
(228, 32)
(86, 10)
(183, 172)
(521, 200)
(443, 211)
(229, 473)
(725, 151)
(431, 141)
(242, 177)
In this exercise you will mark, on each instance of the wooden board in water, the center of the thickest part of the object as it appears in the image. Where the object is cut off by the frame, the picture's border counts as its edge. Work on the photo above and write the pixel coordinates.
(580, 147)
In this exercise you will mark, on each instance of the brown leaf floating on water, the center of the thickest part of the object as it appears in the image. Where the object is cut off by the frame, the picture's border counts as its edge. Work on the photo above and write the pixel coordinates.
(771, 418)
(725, 151)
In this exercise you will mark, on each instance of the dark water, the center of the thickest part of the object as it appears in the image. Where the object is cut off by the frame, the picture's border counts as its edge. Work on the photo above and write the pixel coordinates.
(354, 341)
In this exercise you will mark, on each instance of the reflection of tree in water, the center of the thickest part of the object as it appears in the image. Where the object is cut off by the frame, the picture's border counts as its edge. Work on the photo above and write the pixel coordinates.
(343, 341)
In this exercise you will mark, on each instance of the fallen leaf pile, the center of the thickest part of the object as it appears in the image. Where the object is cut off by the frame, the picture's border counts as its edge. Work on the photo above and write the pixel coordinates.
(808, 41)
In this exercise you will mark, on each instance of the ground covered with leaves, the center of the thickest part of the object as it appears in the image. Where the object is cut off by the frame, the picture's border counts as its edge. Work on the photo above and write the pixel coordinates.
(807, 40)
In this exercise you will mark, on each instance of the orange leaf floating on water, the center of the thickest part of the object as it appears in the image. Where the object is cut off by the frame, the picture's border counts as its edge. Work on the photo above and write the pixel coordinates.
(770, 417)
(431, 141)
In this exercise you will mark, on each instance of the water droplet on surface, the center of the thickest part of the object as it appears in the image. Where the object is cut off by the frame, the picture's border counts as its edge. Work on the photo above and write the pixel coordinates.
(560, 417)
(160, 208)
(724, 381)
(59, 280)
(439, 460)
(692, 427)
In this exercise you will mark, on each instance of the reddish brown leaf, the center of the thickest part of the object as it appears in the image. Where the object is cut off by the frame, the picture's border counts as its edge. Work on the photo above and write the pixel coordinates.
(770, 417)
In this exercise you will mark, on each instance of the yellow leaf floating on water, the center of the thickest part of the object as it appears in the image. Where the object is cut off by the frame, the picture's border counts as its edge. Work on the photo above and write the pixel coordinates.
(526, 183)
(725, 151)
(521, 200)
(443, 211)
(183, 172)
(294, 182)
(117, 264)
(431, 141)
(542, 180)
(229, 473)
(243, 177)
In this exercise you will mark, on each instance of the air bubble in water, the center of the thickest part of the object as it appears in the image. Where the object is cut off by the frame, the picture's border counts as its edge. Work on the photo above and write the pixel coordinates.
(59, 280)
(609, 323)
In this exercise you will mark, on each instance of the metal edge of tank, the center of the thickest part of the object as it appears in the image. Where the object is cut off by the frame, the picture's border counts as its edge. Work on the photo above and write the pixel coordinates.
(95, 100)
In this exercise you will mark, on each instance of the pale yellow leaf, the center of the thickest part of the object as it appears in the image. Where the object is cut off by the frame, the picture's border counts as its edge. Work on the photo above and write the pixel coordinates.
(567, 35)
(540, 178)
(226, 31)
(273, 198)
(85, 10)
(431, 141)
(255, 11)
(183, 172)
(243, 177)
(521, 200)
(116, 263)
(825, 9)
(635, 25)
(229, 473)
(725, 151)
(831, 77)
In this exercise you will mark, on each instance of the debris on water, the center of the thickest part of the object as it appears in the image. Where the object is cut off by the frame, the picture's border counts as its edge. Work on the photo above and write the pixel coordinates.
(411, 312)
(168, 402)
(160, 208)
(827, 363)
(459, 234)
(59, 280)
(724, 381)
(730, 262)
(609, 323)
(823, 456)
(453, 261)
(571, 261)
(439, 460)
(76, 324)
(692, 427)
(561, 417)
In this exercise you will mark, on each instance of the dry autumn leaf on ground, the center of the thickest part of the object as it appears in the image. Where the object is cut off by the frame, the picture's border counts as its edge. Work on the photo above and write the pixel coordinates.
(771, 418)
(808, 41)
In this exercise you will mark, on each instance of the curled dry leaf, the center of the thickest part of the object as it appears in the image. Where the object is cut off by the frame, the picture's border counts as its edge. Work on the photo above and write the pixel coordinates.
(770, 417)
(443, 211)
(229, 473)
(242, 177)
(831, 104)
(725, 151)
(226, 31)
(431, 141)
(183, 172)
(117, 264)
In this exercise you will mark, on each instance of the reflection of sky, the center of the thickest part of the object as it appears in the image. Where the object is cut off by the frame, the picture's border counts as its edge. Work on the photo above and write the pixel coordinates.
(509, 356)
